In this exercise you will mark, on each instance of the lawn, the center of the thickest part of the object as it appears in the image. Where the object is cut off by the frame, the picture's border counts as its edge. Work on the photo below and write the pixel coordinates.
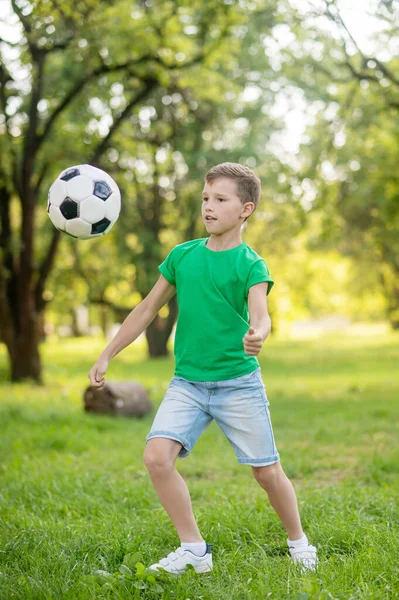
(81, 521)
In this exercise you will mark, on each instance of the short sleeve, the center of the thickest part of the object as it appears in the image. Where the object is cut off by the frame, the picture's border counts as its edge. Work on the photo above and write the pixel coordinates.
(167, 268)
(259, 273)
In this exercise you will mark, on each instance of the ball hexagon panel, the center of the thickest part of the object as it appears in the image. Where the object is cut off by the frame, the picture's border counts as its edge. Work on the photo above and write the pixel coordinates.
(117, 198)
(92, 172)
(102, 190)
(113, 207)
(57, 192)
(56, 217)
(79, 187)
(78, 228)
(92, 209)
(112, 184)
(69, 208)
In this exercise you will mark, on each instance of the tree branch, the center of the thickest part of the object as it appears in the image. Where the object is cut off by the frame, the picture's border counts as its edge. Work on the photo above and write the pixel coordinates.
(388, 74)
(341, 23)
(30, 142)
(41, 176)
(121, 312)
(151, 83)
(45, 269)
(4, 78)
(21, 17)
(78, 88)
(5, 231)
(358, 74)
(7, 270)
(47, 263)
(321, 69)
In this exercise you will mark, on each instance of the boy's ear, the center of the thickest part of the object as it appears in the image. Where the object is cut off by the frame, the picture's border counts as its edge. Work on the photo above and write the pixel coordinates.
(252, 205)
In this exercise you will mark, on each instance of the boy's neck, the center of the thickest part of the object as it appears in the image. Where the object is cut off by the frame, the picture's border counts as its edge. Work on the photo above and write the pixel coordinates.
(224, 241)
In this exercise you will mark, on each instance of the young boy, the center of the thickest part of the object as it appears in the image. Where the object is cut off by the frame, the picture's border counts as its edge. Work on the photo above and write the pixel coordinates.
(221, 284)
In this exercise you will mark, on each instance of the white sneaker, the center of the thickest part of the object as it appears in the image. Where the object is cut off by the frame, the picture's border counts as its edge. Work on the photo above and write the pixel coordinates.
(305, 556)
(176, 562)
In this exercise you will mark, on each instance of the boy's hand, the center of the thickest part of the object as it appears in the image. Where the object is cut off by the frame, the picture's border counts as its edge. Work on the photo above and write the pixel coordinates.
(252, 342)
(97, 372)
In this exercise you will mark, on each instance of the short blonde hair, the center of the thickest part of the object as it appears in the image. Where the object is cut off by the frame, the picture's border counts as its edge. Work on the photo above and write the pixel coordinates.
(248, 184)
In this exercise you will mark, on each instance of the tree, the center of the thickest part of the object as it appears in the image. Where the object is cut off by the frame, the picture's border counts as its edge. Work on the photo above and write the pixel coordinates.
(62, 51)
(74, 57)
(348, 163)
(162, 154)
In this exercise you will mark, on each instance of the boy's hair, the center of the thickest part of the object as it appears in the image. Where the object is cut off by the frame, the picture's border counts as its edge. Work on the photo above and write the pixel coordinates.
(248, 184)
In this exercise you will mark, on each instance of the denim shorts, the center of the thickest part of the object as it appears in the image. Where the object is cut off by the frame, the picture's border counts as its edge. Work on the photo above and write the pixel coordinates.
(239, 406)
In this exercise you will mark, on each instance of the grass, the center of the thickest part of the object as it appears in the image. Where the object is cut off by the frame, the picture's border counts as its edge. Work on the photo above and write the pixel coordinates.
(80, 519)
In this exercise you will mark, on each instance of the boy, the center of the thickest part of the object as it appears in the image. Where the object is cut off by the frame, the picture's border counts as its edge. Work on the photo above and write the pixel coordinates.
(221, 284)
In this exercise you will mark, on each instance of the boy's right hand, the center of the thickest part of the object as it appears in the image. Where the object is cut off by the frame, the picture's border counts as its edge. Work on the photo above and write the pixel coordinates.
(97, 372)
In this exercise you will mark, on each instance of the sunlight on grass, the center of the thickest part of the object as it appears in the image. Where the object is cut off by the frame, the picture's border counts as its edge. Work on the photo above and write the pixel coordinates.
(80, 518)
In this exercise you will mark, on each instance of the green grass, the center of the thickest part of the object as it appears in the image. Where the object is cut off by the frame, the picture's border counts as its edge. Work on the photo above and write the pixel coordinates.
(75, 496)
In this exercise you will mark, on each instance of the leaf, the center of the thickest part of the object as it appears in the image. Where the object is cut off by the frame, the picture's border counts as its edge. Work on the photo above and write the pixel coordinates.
(140, 569)
(140, 585)
(131, 559)
(101, 572)
(124, 569)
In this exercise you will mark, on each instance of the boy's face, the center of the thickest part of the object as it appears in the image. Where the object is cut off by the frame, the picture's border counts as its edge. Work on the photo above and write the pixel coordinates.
(220, 200)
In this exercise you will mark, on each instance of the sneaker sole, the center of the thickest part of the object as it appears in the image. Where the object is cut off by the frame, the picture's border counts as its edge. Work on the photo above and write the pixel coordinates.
(204, 568)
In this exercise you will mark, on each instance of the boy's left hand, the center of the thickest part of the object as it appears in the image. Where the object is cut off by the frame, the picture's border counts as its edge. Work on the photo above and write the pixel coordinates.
(252, 342)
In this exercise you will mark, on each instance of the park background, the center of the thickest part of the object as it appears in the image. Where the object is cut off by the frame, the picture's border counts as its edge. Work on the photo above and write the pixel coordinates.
(306, 93)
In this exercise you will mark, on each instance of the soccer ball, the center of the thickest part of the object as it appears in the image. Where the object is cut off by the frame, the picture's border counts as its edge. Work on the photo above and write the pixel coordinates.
(84, 202)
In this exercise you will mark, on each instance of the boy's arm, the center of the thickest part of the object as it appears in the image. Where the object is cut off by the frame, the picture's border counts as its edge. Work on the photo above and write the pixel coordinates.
(260, 323)
(134, 324)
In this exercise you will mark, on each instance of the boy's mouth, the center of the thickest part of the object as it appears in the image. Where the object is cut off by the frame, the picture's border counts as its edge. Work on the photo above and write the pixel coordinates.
(210, 219)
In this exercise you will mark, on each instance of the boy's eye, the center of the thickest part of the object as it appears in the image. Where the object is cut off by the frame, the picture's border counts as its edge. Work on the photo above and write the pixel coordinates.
(220, 199)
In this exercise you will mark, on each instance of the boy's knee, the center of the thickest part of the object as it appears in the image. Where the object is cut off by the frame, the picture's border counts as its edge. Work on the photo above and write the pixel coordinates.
(156, 463)
(267, 475)
(159, 455)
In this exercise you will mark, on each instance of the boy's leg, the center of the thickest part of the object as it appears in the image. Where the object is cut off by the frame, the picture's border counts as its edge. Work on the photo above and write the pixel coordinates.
(241, 409)
(282, 497)
(159, 458)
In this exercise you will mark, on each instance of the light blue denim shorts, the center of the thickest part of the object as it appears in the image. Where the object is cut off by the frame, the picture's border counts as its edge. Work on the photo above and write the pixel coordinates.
(239, 406)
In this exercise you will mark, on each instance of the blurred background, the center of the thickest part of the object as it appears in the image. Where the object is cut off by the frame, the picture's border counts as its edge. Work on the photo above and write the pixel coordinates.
(305, 92)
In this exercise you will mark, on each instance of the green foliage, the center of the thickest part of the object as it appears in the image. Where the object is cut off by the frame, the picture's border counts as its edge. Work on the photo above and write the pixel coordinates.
(188, 115)
(201, 57)
(348, 162)
(99, 56)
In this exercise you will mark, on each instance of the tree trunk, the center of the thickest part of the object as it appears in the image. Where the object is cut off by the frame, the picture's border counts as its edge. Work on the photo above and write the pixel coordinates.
(156, 338)
(158, 332)
(80, 320)
(104, 319)
(21, 296)
(393, 309)
(24, 352)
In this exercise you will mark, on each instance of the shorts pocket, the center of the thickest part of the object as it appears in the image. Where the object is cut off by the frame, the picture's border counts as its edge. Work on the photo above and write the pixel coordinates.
(248, 376)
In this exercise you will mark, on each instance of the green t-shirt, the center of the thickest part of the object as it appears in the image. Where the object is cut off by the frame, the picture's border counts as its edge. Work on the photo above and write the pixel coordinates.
(212, 294)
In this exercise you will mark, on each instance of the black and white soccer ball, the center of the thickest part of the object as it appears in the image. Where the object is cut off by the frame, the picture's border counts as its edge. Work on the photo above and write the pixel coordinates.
(84, 202)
